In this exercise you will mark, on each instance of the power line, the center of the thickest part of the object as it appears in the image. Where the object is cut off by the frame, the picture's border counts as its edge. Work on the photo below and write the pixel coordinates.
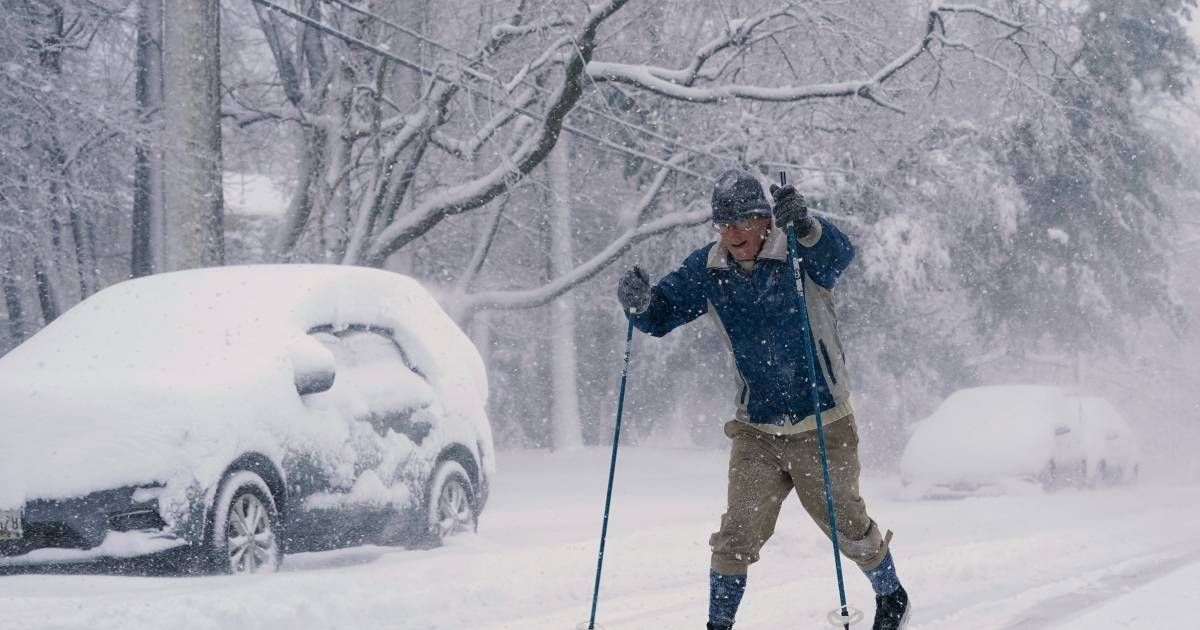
(358, 43)
(402, 29)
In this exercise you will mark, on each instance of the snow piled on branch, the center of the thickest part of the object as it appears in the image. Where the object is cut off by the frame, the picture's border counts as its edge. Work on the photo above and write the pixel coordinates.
(901, 250)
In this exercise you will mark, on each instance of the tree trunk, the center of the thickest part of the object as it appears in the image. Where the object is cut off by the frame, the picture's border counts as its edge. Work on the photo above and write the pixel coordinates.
(191, 112)
(567, 431)
(314, 151)
(300, 208)
(148, 167)
(49, 270)
(13, 304)
(415, 15)
(47, 297)
(86, 266)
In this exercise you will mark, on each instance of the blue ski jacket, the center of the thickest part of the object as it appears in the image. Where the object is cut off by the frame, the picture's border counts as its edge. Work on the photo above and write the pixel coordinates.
(758, 314)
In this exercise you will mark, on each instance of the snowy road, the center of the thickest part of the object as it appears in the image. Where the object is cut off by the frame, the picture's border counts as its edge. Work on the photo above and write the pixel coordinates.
(1072, 560)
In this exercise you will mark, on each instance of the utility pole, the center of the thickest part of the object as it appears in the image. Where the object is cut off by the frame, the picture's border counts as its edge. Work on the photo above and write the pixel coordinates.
(193, 229)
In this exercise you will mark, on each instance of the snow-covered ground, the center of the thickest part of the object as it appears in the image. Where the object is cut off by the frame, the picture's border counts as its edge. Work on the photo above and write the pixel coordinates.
(1117, 558)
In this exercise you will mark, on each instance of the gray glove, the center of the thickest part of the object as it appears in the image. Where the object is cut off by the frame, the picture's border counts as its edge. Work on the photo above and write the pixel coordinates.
(790, 207)
(634, 290)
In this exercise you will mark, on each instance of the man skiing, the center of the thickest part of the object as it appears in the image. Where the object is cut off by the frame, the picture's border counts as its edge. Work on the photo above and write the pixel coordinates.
(745, 282)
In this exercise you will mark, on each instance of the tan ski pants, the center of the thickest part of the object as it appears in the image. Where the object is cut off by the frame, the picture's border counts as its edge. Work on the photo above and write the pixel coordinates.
(764, 469)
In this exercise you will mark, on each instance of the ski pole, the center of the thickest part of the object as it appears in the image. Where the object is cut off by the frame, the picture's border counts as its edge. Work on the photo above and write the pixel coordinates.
(612, 469)
(794, 250)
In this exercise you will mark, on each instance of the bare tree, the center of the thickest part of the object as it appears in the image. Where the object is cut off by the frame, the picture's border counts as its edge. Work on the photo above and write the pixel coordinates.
(55, 141)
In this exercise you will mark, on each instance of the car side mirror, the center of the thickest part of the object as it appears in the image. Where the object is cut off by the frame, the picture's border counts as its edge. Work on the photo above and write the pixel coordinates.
(313, 366)
(314, 382)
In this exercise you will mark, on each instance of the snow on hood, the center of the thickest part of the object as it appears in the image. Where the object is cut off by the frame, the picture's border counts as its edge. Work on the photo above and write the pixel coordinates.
(179, 372)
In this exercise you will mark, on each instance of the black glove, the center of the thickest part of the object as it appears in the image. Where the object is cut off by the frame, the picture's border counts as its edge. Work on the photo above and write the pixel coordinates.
(634, 290)
(791, 208)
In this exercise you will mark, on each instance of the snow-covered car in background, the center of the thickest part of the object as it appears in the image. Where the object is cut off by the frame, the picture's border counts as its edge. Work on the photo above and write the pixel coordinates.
(237, 413)
(1006, 438)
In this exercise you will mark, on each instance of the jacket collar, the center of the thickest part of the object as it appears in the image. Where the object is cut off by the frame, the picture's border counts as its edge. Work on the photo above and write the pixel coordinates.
(774, 248)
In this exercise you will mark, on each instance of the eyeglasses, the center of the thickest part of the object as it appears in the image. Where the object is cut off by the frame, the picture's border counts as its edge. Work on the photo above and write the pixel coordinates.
(725, 226)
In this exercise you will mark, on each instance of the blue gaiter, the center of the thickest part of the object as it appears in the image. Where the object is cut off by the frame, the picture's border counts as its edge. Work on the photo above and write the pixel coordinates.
(883, 577)
(724, 595)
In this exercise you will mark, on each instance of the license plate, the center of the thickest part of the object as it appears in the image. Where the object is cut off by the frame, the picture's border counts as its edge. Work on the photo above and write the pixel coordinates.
(10, 525)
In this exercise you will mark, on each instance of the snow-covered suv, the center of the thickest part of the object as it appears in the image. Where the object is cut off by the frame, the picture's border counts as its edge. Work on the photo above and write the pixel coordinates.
(237, 413)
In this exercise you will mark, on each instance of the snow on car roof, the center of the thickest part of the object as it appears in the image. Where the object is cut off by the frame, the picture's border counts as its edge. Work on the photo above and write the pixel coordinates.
(992, 404)
(215, 316)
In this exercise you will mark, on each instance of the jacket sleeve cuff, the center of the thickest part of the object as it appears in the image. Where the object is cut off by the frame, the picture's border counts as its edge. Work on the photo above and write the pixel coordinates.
(814, 233)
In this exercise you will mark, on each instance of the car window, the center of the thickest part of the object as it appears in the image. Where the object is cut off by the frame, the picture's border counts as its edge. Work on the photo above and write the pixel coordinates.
(365, 347)
(374, 382)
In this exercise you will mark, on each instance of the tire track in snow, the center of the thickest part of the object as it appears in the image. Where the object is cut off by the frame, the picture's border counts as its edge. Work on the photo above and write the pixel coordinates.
(1054, 601)
(1104, 589)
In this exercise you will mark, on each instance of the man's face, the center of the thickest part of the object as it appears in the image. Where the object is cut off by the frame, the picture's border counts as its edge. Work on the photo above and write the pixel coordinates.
(745, 238)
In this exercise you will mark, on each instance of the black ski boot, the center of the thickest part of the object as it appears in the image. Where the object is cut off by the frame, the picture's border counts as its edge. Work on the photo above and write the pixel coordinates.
(891, 611)
(713, 626)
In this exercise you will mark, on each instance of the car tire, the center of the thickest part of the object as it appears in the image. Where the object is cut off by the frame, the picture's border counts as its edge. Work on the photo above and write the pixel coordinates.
(1109, 476)
(1049, 476)
(244, 536)
(450, 506)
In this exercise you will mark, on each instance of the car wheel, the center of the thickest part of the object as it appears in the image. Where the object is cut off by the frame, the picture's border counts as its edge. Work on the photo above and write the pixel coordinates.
(1107, 475)
(450, 508)
(245, 527)
(1049, 476)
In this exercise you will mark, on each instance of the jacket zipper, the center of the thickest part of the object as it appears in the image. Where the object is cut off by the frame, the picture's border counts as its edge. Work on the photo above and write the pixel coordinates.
(762, 311)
